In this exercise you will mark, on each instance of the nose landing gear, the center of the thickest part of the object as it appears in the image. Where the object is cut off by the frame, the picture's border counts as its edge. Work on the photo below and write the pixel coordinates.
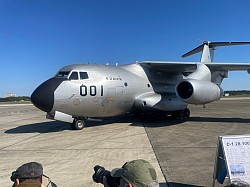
(78, 123)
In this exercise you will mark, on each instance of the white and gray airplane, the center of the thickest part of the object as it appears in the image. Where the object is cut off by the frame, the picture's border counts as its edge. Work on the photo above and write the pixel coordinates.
(81, 91)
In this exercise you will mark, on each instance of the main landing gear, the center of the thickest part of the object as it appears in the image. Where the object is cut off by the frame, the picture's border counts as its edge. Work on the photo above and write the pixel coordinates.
(181, 114)
(78, 123)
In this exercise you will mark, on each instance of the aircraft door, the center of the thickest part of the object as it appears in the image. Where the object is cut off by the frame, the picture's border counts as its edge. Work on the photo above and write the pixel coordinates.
(116, 102)
(123, 101)
(120, 92)
(110, 98)
(114, 95)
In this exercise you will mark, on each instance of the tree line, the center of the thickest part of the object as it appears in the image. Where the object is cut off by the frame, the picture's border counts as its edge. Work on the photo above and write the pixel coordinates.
(15, 99)
(237, 92)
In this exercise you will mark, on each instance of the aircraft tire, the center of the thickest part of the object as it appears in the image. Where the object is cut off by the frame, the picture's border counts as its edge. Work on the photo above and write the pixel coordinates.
(181, 114)
(174, 115)
(78, 124)
(178, 114)
(186, 113)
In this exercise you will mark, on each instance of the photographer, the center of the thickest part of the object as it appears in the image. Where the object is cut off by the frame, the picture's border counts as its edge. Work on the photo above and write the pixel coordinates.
(30, 175)
(136, 173)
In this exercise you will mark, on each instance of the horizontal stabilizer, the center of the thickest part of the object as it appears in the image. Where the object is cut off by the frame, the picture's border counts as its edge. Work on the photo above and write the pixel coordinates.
(212, 45)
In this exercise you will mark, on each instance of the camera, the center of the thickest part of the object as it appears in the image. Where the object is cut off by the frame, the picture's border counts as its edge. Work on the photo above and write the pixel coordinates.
(100, 172)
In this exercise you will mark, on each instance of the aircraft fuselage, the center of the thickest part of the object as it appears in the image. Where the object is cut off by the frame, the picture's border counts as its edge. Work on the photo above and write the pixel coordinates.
(104, 91)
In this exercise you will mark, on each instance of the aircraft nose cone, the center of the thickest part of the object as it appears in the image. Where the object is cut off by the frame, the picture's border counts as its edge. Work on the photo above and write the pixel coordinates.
(43, 97)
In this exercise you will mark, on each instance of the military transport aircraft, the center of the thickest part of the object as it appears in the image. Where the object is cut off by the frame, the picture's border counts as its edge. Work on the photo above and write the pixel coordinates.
(80, 91)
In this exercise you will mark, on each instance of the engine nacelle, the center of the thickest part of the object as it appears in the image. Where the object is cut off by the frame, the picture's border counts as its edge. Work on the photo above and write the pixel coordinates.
(198, 92)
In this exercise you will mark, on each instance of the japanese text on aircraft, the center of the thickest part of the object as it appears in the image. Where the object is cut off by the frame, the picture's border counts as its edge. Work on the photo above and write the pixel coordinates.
(113, 78)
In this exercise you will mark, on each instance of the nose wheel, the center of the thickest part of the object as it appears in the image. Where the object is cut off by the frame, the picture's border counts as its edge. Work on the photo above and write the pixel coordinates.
(78, 124)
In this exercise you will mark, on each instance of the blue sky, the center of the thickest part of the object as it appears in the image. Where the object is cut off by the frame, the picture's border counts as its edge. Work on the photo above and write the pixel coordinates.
(38, 37)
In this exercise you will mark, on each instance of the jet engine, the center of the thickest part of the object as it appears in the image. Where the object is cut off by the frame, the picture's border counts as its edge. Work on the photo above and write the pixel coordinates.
(197, 92)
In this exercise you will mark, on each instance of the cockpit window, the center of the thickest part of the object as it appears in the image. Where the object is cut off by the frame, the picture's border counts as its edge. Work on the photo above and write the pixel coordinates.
(62, 74)
(84, 75)
(73, 76)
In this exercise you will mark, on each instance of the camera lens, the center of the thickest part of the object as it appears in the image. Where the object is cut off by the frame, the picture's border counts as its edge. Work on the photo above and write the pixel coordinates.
(100, 172)
(97, 176)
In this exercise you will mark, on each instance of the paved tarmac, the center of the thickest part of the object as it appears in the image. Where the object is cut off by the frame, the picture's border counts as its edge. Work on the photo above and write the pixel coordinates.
(183, 152)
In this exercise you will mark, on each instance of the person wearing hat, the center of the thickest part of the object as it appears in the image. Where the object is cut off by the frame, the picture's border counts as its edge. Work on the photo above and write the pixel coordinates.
(29, 175)
(136, 173)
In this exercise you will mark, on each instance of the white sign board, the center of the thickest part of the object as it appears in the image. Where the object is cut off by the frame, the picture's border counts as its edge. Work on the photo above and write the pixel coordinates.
(237, 155)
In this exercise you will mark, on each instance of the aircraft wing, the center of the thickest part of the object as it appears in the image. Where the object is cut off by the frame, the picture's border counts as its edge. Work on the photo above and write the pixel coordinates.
(172, 67)
(228, 66)
(183, 67)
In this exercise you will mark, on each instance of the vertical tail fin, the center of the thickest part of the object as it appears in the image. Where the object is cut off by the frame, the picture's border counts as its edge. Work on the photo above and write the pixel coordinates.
(208, 48)
(207, 53)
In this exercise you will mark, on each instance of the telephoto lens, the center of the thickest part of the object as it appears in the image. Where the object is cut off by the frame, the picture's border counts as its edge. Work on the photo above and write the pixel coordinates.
(100, 172)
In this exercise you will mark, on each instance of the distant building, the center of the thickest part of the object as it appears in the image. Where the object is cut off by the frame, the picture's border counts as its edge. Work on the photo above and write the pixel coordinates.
(10, 95)
(227, 94)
